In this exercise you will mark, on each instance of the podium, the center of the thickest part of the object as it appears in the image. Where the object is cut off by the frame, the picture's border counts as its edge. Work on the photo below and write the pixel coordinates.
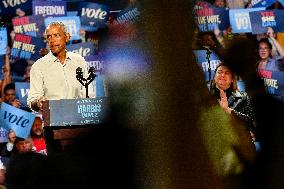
(68, 121)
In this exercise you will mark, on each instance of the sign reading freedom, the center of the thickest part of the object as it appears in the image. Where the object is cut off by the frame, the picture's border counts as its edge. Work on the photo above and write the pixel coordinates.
(49, 8)
(203, 62)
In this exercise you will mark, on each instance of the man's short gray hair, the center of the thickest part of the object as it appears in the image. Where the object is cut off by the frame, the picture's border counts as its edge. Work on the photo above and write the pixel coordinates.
(60, 24)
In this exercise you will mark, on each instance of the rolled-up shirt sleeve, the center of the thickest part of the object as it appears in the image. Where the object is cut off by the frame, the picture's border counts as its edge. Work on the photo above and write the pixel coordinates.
(36, 85)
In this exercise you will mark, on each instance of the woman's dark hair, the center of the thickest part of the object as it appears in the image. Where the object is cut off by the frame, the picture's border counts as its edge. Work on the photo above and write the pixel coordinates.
(265, 40)
(234, 84)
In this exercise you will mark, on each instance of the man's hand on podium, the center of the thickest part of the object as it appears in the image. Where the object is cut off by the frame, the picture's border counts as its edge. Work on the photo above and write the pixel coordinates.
(38, 104)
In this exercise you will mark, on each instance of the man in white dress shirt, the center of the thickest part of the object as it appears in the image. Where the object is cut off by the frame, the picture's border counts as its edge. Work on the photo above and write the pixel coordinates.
(53, 76)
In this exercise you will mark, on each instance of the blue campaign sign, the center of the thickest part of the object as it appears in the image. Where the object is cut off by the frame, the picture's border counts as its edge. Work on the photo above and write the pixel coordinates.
(3, 40)
(267, 18)
(29, 25)
(128, 15)
(3, 135)
(99, 83)
(2, 60)
(18, 120)
(208, 19)
(72, 13)
(279, 15)
(72, 23)
(9, 7)
(262, 3)
(22, 89)
(240, 19)
(93, 15)
(273, 81)
(49, 8)
(200, 56)
(84, 49)
(27, 47)
(276, 83)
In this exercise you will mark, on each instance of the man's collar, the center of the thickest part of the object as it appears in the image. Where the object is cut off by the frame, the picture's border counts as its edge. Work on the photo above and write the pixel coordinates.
(54, 58)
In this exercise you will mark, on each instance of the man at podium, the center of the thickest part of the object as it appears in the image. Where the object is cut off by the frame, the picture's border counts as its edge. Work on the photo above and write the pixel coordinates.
(53, 76)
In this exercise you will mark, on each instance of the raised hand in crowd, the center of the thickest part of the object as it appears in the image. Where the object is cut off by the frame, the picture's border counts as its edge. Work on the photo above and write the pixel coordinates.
(219, 36)
(272, 38)
(224, 102)
(12, 136)
(6, 67)
(43, 52)
(9, 95)
(38, 105)
(16, 103)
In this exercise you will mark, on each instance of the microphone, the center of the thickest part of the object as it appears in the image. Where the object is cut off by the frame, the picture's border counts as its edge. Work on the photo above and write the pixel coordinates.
(79, 75)
(208, 51)
(85, 82)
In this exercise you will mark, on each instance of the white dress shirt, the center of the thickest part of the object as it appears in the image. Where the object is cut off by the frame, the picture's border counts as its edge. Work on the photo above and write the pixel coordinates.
(54, 80)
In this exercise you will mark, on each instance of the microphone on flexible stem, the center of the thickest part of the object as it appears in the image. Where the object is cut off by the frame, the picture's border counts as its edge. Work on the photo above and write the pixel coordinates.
(85, 82)
(208, 53)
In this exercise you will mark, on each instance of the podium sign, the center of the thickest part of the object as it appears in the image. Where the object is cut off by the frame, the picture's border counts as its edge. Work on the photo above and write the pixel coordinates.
(81, 111)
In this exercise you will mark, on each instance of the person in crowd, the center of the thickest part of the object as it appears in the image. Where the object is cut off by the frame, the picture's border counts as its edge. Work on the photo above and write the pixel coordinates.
(26, 77)
(9, 95)
(20, 13)
(23, 145)
(7, 147)
(232, 101)
(269, 63)
(267, 172)
(267, 60)
(220, 3)
(53, 76)
(38, 140)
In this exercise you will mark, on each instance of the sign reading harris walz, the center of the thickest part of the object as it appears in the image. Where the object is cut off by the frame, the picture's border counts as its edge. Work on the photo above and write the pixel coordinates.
(49, 8)
(29, 25)
(27, 47)
(260, 20)
(75, 111)
(128, 15)
(208, 19)
(93, 15)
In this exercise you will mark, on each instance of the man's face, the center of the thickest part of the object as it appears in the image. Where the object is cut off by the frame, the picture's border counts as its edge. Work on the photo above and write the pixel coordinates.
(264, 51)
(24, 146)
(56, 39)
(9, 96)
(223, 78)
(219, 3)
(207, 40)
(37, 127)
